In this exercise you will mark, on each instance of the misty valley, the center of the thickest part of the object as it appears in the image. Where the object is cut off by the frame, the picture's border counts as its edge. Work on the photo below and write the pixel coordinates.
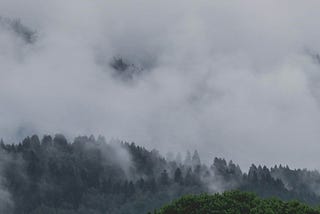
(89, 175)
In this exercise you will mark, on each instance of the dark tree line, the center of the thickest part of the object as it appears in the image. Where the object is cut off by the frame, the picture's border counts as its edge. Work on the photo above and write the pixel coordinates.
(90, 175)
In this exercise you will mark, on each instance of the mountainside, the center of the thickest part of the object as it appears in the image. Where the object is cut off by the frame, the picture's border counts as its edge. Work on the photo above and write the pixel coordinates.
(91, 175)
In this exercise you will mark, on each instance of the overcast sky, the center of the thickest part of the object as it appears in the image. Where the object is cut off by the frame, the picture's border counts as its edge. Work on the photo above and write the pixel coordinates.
(238, 79)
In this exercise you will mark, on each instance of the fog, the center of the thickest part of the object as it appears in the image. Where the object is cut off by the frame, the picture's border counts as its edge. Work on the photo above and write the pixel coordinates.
(234, 79)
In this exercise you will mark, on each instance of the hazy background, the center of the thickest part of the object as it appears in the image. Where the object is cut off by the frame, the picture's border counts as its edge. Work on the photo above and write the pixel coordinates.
(238, 79)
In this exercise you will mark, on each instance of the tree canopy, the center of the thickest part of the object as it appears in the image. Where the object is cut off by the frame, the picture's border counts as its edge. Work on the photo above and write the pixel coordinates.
(234, 202)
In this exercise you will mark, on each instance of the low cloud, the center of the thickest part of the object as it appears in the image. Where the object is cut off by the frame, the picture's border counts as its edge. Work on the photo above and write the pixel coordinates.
(229, 79)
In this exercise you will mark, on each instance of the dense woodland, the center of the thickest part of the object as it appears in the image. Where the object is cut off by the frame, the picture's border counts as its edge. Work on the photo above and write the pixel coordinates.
(89, 175)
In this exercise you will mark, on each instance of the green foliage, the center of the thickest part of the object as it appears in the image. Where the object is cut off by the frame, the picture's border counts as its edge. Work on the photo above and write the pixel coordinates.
(234, 202)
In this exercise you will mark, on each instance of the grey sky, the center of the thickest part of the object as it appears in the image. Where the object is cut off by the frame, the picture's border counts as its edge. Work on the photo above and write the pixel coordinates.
(229, 78)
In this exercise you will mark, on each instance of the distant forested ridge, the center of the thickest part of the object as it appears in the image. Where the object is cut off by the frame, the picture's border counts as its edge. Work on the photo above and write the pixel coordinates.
(91, 175)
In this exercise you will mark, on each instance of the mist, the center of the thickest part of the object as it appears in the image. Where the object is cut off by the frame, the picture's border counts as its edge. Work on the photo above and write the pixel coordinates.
(234, 79)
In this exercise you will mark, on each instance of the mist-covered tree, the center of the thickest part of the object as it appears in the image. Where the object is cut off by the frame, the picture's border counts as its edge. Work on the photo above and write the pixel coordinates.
(196, 159)
(178, 176)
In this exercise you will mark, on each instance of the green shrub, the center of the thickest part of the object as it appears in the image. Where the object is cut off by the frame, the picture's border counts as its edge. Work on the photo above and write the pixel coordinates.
(234, 202)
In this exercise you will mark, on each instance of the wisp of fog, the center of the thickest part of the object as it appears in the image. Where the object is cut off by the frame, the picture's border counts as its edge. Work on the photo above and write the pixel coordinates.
(238, 79)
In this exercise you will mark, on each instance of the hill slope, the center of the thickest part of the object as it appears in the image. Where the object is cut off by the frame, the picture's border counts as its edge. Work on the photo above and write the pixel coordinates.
(89, 175)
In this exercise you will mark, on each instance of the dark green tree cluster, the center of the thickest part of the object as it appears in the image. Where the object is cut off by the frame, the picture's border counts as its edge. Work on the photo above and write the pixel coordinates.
(234, 202)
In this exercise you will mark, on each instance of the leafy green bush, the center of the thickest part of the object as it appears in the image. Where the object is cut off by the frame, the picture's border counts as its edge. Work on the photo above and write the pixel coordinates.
(234, 202)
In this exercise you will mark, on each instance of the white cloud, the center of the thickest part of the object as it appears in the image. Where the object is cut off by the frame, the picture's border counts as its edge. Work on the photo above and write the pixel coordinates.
(230, 78)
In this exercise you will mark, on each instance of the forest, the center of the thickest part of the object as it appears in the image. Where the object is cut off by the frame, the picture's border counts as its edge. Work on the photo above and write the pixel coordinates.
(92, 175)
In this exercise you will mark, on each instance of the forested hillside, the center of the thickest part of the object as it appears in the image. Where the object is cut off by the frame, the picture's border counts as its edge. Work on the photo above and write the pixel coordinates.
(91, 175)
